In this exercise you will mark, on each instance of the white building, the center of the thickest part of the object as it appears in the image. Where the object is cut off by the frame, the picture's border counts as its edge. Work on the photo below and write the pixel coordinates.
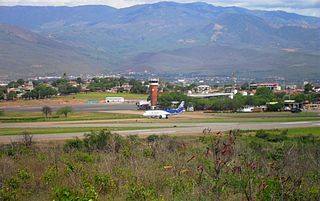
(114, 99)
(271, 85)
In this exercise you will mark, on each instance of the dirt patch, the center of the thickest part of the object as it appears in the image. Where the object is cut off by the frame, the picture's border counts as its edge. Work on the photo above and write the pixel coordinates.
(22, 103)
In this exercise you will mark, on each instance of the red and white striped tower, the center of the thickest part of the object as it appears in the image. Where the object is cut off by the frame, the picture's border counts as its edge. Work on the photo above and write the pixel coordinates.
(153, 85)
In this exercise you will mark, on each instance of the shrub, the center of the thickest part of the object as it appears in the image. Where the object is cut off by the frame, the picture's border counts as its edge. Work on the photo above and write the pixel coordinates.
(26, 139)
(50, 174)
(84, 157)
(98, 140)
(24, 175)
(152, 138)
(277, 138)
(104, 183)
(262, 134)
(65, 194)
(90, 193)
(139, 192)
(72, 145)
(307, 139)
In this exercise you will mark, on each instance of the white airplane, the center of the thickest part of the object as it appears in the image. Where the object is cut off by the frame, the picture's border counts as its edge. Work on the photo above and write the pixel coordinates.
(164, 114)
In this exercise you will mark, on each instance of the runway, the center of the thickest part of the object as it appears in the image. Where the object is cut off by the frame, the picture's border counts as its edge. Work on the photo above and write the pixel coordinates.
(167, 128)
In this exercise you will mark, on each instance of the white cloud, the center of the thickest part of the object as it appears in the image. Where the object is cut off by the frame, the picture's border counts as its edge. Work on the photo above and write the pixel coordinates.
(305, 7)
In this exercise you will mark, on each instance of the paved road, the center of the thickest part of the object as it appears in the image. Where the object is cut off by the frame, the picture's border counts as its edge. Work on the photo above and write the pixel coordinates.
(86, 107)
(169, 128)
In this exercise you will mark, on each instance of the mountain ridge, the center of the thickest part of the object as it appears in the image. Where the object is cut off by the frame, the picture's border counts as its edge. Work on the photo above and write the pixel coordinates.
(109, 39)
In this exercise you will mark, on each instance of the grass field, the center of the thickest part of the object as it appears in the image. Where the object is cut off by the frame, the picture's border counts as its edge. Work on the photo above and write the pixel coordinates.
(74, 116)
(187, 118)
(32, 131)
(102, 96)
(300, 131)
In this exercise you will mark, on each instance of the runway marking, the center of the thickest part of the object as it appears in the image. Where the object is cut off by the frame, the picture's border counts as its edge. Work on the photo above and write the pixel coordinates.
(145, 132)
(293, 123)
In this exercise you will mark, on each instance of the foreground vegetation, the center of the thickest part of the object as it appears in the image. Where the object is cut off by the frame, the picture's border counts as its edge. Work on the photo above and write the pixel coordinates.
(267, 165)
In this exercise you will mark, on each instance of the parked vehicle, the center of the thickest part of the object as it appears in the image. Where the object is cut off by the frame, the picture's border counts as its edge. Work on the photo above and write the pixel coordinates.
(296, 110)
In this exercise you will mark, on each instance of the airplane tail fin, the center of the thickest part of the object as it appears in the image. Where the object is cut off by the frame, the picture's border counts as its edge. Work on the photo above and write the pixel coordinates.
(181, 106)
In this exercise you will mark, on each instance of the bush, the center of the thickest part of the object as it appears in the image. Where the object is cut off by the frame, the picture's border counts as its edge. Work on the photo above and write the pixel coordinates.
(138, 192)
(50, 174)
(307, 139)
(272, 137)
(72, 145)
(98, 140)
(65, 194)
(104, 183)
(262, 134)
(84, 157)
(27, 139)
(152, 138)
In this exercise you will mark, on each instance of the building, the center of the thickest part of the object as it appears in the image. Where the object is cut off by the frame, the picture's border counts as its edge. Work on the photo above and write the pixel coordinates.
(203, 88)
(291, 87)
(271, 85)
(153, 86)
(28, 86)
(114, 99)
(312, 107)
(143, 105)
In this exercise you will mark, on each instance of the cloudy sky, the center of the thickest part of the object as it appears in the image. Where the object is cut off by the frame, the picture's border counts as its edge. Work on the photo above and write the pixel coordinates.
(305, 7)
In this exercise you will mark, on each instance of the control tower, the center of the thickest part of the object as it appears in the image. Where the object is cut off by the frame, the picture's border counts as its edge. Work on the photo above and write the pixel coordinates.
(153, 86)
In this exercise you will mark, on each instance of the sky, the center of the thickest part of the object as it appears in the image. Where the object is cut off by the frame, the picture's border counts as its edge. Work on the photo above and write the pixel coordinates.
(304, 7)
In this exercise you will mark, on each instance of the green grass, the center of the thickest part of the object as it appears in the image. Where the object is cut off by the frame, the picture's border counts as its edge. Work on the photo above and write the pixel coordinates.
(102, 96)
(34, 131)
(291, 132)
(301, 131)
(223, 120)
(11, 117)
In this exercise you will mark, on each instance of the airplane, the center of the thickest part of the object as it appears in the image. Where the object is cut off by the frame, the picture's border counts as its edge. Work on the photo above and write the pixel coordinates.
(164, 114)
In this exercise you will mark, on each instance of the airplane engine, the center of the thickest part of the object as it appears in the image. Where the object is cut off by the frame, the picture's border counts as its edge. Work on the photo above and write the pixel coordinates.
(163, 117)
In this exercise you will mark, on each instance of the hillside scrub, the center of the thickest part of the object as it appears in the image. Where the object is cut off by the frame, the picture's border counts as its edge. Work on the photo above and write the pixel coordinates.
(216, 166)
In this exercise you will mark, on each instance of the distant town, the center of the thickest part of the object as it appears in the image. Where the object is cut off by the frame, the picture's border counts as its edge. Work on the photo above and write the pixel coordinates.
(228, 93)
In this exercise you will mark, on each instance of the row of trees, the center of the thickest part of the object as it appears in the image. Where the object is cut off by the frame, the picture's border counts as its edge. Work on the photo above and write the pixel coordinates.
(103, 84)
(40, 92)
(46, 110)
(262, 96)
(64, 87)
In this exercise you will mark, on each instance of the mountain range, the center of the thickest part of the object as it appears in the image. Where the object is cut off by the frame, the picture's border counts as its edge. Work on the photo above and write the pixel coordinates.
(160, 37)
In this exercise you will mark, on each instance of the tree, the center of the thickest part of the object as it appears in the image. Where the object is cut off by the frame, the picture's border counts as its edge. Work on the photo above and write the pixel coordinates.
(3, 91)
(46, 110)
(20, 82)
(308, 88)
(275, 107)
(13, 84)
(44, 91)
(79, 80)
(245, 86)
(64, 110)
(139, 89)
(264, 92)
(12, 95)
